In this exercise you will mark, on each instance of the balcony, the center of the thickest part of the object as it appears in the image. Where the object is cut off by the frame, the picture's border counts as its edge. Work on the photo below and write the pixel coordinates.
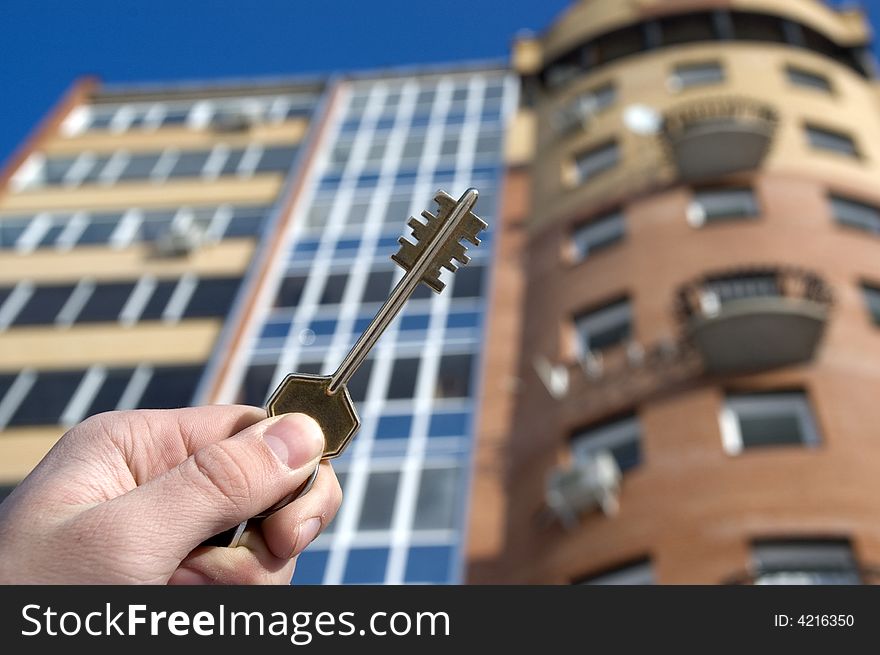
(754, 319)
(718, 136)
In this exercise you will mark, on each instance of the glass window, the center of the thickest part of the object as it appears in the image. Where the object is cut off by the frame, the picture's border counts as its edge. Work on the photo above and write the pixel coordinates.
(171, 387)
(393, 427)
(245, 222)
(366, 566)
(414, 322)
(463, 320)
(189, 164)
(100, 228)
(468, 282)
(310, 566)
(319, 214)
(334, 289)
(823, 139)
(758, 27)
(212, 297)
(155, 306)
(93, 170)
(106, 302)
(599, 233)
(291, 291)
(357, 386)
(872, 298)
(604, 327)
(377, 508)
(712, 205)
(853, 213)
(619, 43)
(47, 398)
(804, 562)
(438, 499)
(429, 565)
(767, 419)
(276, 159)
(11, 228)
(448, 424)
(454, 376)
(591, 163)
(378, 286)
(111, 391)
(56, 168)
(6, 380)
(697, 74)
(233, 159)
(139, 166)
(621, 437)
(255, 385)
(687, 28)
(403, 378)
(43, 306)
(808, 79)
(634, 573)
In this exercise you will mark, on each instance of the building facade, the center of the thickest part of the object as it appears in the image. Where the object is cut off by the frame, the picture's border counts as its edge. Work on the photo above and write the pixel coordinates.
(700, 358)
(172, 246)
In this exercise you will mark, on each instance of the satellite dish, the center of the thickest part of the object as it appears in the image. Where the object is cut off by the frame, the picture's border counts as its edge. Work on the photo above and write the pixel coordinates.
(642, 119)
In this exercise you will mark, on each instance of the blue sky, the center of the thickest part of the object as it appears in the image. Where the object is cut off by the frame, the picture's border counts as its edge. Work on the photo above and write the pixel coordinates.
(46, 44)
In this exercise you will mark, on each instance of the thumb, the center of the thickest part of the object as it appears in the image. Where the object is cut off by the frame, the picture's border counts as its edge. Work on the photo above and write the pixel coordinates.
(225, 483)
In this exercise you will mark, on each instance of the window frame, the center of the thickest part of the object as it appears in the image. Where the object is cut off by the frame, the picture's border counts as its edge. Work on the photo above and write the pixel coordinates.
(616, 218)
(767, 403)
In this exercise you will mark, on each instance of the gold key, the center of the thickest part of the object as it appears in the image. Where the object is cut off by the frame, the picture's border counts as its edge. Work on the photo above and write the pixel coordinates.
(325, 397)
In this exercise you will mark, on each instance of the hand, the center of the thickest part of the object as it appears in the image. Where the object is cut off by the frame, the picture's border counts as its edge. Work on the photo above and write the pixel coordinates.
(127, 497)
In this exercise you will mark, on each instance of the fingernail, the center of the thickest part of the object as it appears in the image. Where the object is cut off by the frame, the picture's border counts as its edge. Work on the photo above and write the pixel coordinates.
(184, 576)
(296, 439)
(308, 530)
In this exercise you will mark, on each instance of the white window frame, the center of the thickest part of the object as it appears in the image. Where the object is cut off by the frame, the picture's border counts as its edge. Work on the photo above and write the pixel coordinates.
(766, 405)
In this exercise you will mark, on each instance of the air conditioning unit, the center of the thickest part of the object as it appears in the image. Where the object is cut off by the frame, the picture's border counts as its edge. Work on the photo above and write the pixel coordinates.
(181, 239)
(591, 483)
(237, 121)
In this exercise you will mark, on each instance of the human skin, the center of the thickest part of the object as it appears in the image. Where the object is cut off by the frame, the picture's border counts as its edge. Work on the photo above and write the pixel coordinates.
(128, 497)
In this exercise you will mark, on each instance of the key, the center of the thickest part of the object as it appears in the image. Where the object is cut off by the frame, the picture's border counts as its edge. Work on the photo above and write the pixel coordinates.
(438, 244)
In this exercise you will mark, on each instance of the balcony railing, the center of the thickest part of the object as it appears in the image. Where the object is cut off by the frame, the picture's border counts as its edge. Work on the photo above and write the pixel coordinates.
(756, 318)
(717, 136)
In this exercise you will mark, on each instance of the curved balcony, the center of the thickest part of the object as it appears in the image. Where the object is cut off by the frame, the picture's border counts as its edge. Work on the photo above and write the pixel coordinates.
(754, 319)
(718, 136)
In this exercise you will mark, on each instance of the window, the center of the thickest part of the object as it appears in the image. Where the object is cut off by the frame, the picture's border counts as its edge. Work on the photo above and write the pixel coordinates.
(357, 386)
(713, 205)
(719, 291)
(43, 306)
(805, 78)
(696, 74)
(758, 27)
(872, 298)
(581, 108)
(438, 499)
(591, 163)
(687, 28)
(47, 398)
(403, 378)
(604, 327)
(377, 286)
(139, 167)
(618, 44)
(377, 508)
(394, 427)
(276, 159)
(291, 291)
(621, 437)
(767, 419)
(310, 566)
(454, 376)
(171, 387)
(639, 572)
(428, 564)
(598, 234)
(212, 297)
(110, 393)
(333, 289)
(255, 386)
(106, 302)
(189, 164)
(822, 139)
(804, 562)
(468, 282)
(446, 424)
(155, 306)
(853, 213)
(366, 566)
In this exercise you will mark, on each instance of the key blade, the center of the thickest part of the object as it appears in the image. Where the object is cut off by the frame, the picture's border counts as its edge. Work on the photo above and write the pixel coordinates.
(425, 233)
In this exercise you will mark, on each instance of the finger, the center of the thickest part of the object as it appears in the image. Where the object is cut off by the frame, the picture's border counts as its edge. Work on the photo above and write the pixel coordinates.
(293, 527)
(223, 483)
(251, 563)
